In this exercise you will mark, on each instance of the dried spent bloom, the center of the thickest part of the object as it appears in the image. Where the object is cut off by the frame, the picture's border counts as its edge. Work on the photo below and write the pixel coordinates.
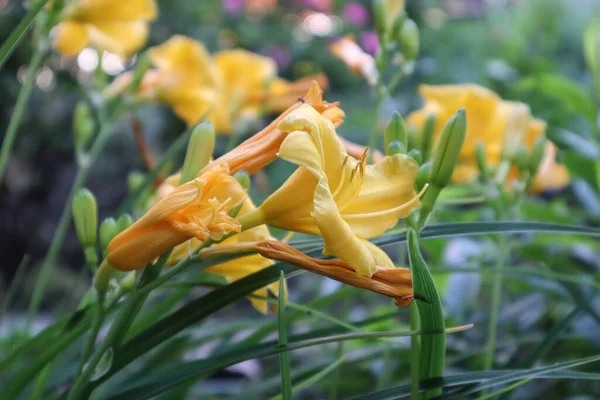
(240, 267)
(226, 87)
(198, 208)
(336, 196)
(120, 27)
(389, 281)
(502, 126)
(355, 58)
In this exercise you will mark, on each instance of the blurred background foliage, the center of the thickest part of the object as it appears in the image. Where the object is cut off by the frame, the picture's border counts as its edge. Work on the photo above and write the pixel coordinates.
(526, 50)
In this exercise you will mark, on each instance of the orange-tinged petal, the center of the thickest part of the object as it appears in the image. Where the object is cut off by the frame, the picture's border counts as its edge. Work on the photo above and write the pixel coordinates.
(550, 176)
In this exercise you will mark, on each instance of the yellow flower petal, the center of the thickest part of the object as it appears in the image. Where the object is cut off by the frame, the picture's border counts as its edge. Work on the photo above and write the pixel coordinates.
(70, 37)
(107, 10)
(120, 37)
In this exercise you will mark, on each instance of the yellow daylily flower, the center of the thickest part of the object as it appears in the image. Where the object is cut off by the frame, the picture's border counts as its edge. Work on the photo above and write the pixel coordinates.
(389, 281)
(117, 26)
(336, 196)
(502, 125)
(224, 88)
(360, 62)
(198, 208)
(240, 267)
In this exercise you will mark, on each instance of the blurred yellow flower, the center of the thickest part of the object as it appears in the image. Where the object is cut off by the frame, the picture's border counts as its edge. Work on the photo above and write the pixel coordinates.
(355, 58)
(117, 26)
(198, 208)
(240, 267)
(336, 196)
(503, 126)
(230, 86)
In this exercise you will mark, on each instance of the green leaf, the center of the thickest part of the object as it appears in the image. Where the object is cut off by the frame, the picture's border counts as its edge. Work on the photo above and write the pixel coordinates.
(574, 97)
(313, 379)
(10, 44)
(582, 167)
(496, 377)
(284, 356)
(429, 304)
(164, 380)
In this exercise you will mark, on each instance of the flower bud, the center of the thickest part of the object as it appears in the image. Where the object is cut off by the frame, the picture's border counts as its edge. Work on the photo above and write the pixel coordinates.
(83, 124)
(448, 149)
(416, 155)
(85, 217)
(124, 222)
(199, 151)
(398, 23)
(537, 154)
(424, 176)
(521, 158)
(480, 158)
(396, 131)
(108, 230)
(128, 282)
(408, 39)
(243, 178)
(380, 17)
(395, 148)
(427, 136)
(102, 277)
(135, 180)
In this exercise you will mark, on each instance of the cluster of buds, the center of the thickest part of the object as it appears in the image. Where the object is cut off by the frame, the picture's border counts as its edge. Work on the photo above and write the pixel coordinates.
(395, 30)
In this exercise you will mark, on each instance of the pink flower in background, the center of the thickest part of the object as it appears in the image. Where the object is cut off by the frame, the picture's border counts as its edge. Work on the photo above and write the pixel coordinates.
(234, 6)
(356, 14)
(318, 5)
(369, 42)
(281, 55)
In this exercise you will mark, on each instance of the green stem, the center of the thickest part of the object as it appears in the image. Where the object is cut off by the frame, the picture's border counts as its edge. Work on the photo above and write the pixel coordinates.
(415, 352)
(95, 328)
(65, 218)
(17, 115)
(119, 328)
(496, 302)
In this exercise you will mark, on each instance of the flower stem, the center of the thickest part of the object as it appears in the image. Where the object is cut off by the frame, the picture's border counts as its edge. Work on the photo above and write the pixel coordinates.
(65, 218)
(17, 115)
(490, 348)
(95, 328)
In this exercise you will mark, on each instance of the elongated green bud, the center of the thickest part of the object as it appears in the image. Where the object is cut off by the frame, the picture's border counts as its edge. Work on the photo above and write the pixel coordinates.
(537, 154)
(128, 283)
(416, 155)
(480, 158)
(427, 136)
(102, 277)
(85, 217)
(448, 149)
(124, 222)
(396, 131)
(424, 175)
(408, 38)
(199, 151)
(414, 138)
(243, 178)
(83, 124)
(521, 158)
(380, 17)
(398, 23)
(395, 148)
(108, 230)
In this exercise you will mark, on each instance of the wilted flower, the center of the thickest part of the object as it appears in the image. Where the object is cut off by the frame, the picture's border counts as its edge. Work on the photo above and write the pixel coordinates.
(117, 26)
(386, 280)
(336, 196)
(503, 126)
(198, 208)
(355, 58)
(232, 85)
